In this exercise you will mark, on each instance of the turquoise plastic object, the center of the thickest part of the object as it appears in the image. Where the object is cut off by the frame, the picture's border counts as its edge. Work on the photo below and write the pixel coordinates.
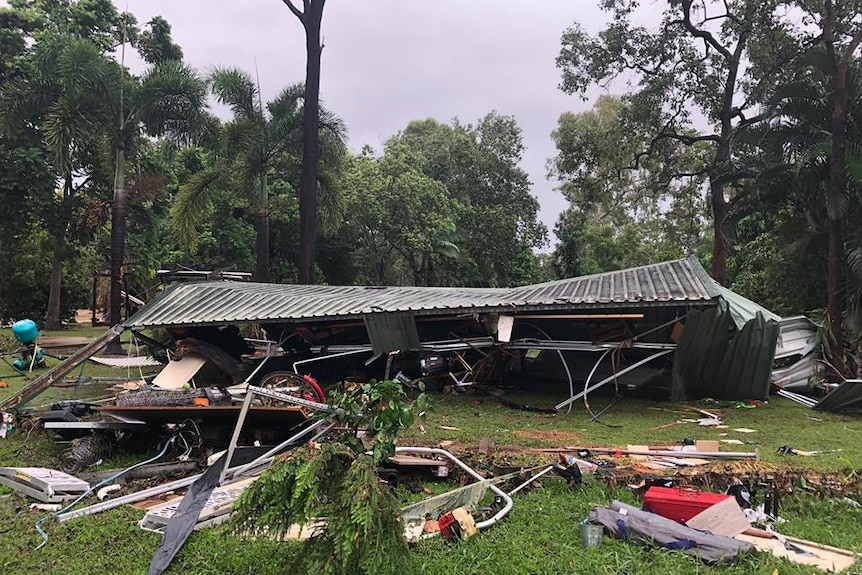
(25, 331)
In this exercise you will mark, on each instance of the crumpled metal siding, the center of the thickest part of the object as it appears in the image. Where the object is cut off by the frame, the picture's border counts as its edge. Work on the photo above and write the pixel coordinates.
(715, 361)
(701, 350)
(669, 283)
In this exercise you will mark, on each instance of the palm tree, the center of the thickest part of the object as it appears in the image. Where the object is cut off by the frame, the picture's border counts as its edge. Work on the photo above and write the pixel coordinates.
(250, 143)
(804, 132)
(167, 101)
(63, 97)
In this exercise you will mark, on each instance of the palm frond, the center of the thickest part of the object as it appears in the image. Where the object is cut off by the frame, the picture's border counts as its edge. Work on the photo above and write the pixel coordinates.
(192, 205)
(171, 99)
(237, 90)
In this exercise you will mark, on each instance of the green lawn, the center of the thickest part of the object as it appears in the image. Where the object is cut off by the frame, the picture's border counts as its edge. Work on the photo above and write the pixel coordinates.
(540, 535)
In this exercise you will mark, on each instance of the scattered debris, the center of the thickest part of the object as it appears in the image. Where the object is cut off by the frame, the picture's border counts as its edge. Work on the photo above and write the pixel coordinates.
(48, 485)
(824, 557)
(680, 504)
(632, 524)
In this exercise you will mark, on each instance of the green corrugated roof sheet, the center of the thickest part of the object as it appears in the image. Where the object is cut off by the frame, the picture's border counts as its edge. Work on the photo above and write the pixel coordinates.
(678, 282)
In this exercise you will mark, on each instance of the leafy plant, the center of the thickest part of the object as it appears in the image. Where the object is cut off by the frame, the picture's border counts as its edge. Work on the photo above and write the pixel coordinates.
(333, 489)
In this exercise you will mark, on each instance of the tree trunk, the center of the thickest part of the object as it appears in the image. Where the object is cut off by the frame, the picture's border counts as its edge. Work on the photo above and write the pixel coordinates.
(719, 243)
(838, 187)
(52, 318)
(262, 271)
(310, 138)
(52, 315)
(118, 248)
(720, 208)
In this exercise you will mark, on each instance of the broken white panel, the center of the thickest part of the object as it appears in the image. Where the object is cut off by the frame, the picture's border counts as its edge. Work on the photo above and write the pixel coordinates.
(48, 485)
(798, 375)
(179, 371)
(217, 509)
(504, 328)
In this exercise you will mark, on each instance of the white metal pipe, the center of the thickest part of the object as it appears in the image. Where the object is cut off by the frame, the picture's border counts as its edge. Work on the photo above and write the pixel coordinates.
(130, 498)
(497, 491)
(611, 378)
(530, 480)
(323, 357)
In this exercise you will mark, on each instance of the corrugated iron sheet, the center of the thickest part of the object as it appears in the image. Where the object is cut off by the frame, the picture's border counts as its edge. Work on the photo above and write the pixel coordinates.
(676, 282)
(391, 331)
(715, 360)
(845, 397)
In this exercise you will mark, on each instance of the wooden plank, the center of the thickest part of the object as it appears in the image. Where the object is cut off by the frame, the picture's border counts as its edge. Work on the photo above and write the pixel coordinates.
(413, 461)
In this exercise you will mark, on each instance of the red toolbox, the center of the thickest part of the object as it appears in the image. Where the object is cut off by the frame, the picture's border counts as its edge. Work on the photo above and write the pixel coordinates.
(679, 504)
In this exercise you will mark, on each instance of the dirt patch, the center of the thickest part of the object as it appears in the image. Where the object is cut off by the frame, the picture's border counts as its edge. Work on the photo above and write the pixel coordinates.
(557, 438)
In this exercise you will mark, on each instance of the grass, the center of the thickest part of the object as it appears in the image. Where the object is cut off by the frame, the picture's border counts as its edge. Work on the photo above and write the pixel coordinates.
(540, 535)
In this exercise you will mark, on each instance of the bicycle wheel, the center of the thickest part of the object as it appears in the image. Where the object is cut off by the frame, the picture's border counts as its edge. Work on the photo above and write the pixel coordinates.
(290, 383)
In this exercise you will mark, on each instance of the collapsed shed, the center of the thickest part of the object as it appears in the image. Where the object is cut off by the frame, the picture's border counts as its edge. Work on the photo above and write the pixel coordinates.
(622, 326)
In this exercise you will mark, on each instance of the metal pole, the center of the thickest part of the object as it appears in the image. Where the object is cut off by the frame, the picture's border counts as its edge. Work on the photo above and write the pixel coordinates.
(130, 498)
(236, 431)
(530, 480)
(666, 453)
(293, 400)
(313, 359)
(611, 378)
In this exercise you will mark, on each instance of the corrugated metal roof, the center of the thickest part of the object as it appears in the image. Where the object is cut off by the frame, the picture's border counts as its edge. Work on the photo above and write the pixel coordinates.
(669, 283)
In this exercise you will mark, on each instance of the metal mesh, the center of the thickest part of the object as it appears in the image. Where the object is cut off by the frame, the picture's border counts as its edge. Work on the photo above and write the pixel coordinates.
(160, 397)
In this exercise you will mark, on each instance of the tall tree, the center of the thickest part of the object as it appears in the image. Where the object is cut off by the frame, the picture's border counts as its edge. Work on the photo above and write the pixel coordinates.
(804, 180)
(64, 95)
(256, 137)
(476, 223)
(717, 58)
(168, 100)
(623, 214)
(842, 34)
(311, 17)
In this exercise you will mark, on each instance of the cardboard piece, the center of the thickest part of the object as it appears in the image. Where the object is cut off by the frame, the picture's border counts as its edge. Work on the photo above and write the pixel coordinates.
(706, 445)
(724, 518)
(823, 557)
(179, 371)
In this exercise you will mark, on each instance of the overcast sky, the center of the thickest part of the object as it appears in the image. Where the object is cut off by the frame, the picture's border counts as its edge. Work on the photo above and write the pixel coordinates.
(387, 62)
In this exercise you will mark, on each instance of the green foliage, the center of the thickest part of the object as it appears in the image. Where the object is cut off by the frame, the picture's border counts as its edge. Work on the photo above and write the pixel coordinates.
(333, 488)
(446, 205)
(155, 44)
(254, 163)
(626, 209)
